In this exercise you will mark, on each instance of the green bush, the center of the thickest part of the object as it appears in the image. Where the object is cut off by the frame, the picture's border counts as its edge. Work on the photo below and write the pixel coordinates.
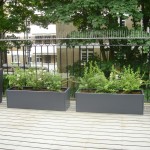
(17, 79)
(125, 80)
(37, 79)
(130, 80)
(93, 78)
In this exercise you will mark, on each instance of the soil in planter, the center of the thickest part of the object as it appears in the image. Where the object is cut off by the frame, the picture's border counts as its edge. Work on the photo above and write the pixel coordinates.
(88, 91)
(15, 88)
(119, 92)
(31, 89)
(130, 92)
(24, 88)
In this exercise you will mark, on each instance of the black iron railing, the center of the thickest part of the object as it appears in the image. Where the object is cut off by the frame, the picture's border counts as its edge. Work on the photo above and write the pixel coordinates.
(67, 56)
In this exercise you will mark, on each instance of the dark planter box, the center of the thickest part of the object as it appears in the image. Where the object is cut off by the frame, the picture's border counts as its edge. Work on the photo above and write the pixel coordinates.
(110, 103)
(1, 84)
(29, 99)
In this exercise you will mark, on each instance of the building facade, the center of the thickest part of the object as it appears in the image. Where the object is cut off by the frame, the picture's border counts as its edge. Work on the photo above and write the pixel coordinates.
(41, 52)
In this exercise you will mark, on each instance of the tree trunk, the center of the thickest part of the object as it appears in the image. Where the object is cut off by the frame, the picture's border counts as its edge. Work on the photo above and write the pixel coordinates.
(104, 58)
(146, 18)
(1, 2)
(145, 22)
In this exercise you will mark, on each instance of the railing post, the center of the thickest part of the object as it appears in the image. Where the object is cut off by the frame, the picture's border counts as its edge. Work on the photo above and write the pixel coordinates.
(1, 84)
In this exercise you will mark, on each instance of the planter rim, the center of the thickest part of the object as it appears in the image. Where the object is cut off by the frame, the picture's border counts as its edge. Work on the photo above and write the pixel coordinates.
(66, 89)
(41, 100)
(142, 93)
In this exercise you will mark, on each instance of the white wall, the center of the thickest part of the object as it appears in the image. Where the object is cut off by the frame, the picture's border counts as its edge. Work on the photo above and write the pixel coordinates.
(37, 30)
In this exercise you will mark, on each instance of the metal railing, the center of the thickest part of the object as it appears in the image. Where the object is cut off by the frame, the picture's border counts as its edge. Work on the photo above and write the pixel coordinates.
(100, 34)
(105, 34)
(67, 55)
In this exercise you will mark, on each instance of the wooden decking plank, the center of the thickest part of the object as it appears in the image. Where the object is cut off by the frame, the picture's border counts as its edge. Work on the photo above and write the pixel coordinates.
(53, 130)
(62, 117)
(73, 129)
(72, 125)
(59, 145)
(77, 131)
(97, 128)
(79, 117)
(25, 144)
(75, 137)
(18, 147)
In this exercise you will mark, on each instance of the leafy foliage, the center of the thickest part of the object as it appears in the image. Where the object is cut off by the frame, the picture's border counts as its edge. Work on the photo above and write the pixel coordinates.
(93, 78)
(77, 68)
(130, 80)
(92, 15)
(14, 14)
(42, 79)
(18, 79)
(127, 80)
(37, 79)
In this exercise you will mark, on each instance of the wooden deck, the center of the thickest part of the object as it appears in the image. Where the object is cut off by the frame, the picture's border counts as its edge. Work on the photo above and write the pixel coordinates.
(22, 129)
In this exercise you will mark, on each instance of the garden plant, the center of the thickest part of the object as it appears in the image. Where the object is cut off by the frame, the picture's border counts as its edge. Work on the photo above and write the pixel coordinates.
(120, 93)
(37, 89)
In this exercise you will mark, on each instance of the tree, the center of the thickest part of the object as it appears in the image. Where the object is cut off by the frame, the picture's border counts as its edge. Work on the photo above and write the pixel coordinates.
(96, 15)
(14, 14)
(91, 15)
(13, 17)
(145, 7)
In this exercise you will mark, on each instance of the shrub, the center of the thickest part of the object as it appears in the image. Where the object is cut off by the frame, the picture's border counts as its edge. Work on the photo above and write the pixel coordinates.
(17, 79)
(94, 78)
(37, 79)
(130, 80)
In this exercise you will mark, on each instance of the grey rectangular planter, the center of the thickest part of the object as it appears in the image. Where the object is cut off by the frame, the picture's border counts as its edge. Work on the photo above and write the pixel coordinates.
(110, 103)
(46, 100)
(1, 84)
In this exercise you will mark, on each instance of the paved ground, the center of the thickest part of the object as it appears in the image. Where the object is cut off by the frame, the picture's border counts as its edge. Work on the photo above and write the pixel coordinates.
(22, 129)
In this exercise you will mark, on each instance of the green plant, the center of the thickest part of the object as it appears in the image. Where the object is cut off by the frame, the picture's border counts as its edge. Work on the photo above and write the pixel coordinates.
(130, 80)
(52, 81)
(93, 78)
(37, 79)
(77, 69)
(125, 80)
(17, 79)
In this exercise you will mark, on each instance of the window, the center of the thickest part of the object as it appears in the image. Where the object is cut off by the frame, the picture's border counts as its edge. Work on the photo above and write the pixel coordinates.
(86, 54)
(38, 39)
(38, 42)
(38, 58)
(46, 41)
(15, 58)
(51, 39)
(121, 22)
(47, 58)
